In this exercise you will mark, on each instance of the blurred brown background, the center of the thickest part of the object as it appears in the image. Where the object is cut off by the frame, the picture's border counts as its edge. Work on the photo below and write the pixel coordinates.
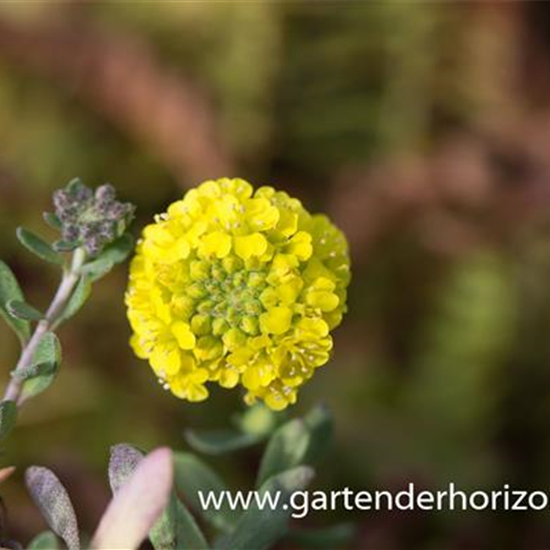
(423, 129)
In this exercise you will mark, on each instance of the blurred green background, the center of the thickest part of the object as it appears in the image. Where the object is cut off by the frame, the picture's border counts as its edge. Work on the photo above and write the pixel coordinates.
(423, 129)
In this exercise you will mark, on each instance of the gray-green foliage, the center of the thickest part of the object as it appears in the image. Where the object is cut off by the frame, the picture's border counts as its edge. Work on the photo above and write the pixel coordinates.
(135, 478)
(95, 225)
(55, 504)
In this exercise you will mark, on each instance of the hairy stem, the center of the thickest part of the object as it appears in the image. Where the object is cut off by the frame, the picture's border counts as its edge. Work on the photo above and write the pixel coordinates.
(56, 308)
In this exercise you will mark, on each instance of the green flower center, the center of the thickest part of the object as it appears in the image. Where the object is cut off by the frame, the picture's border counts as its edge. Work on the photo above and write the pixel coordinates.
(229, 294)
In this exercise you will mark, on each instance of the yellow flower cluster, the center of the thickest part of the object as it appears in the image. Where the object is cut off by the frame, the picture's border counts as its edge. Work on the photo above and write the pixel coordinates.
(237, 286)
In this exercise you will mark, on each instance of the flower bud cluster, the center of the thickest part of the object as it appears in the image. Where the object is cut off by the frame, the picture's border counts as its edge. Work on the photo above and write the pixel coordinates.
(90, 219)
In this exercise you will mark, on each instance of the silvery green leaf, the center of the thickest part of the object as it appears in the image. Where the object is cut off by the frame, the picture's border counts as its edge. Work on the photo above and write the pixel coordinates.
(138, 504)
(8, 418)
(176, 528)
(44, 541)
(10, 290)
(113, 254)
(192, 476)
(299, 441)
(34, 370)
(51, 497)
(122, 463)
(21, 310)
(78, 298)
(260, 529)
(38, 246)
(52, 220)
(216, 442)
(48, 352)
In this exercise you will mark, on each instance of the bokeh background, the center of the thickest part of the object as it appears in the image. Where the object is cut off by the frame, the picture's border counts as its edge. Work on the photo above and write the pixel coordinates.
(423, 129)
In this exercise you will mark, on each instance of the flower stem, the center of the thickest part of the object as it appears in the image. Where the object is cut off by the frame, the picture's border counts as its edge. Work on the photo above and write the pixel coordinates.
(62, 296)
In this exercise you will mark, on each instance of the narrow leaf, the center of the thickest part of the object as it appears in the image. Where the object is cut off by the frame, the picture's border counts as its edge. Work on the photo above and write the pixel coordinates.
(8, 418)
(48, 352)
(45, 541)
(192, 476)
(37, 246)
(10, 290)
(217, 442)
(21, 310)
(138, 504)
(176, 528)
(78, 299)
(260, 529)
(54, 503)
(52, 220)
(297, 442)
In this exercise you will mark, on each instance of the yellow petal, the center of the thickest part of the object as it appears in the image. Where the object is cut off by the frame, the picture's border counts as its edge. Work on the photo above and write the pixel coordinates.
(313, 328)
(165, 359)
(300, 245)
(326, 301)
(138, 345)
(276, 401)
(247, 246)
(229, 377)
(289, 292)
(257, 376)
(276, 321)
(234, 339)
(183, 334)
(216, 244)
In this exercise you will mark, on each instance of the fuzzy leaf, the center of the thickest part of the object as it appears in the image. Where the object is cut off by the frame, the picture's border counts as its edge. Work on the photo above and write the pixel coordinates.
(10, 290)
(51, 497)
(176, 528)
(48, 352)
(217, 442)
(35, 370)
(44, 541)
(192, 476)
(259, 529)
(52, 220)
(8, 418)
(113, 254)
(77, 300)
(299, 441)
(138, 504)
(21, 310)
(37, 246)
(122, 463)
